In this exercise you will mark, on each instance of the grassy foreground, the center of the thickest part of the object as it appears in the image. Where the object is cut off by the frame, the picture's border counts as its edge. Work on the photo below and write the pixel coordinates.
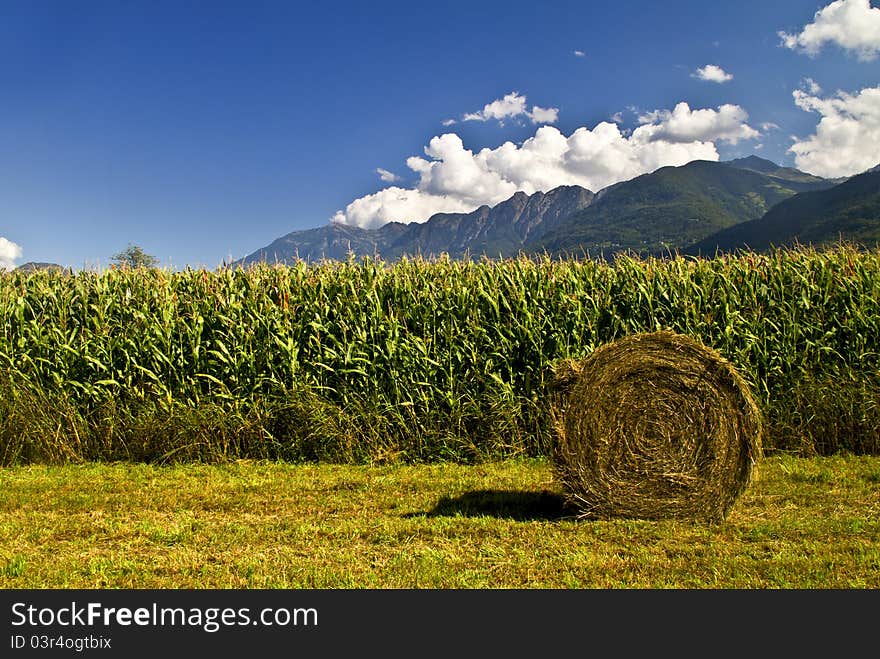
(803, 523)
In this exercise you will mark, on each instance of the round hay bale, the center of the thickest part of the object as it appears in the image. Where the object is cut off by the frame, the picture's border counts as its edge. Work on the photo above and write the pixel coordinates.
(655, 426)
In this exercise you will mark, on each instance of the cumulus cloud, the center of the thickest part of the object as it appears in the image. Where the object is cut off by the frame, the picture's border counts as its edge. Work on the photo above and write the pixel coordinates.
(683, 125)
(385, 175)
(452, 178)
(543, 115)
(579, 53)
(397, 204)
(811, 86)
(448, 122)
(847, 138)
(712, 73)
(851, 24)
(9, 253)
(511, 106)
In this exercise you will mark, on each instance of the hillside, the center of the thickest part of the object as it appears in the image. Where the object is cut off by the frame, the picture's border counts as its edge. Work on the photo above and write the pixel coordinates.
(671, 207)
(849, 211)
(498, 231)
(332, 241)
(787, 176)
(33, 266)
(501, 230)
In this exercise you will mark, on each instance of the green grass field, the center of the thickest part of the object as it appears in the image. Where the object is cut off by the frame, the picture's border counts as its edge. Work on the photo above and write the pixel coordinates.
(803, 523)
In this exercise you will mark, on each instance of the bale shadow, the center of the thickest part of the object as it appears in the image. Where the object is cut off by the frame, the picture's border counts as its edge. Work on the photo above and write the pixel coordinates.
(504, 504)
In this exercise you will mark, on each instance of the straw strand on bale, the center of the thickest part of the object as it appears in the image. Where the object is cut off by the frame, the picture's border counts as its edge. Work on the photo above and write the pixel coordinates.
(655, 426)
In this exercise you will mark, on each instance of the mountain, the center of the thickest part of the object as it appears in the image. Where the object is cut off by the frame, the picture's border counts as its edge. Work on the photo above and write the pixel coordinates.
(848, 211)
(673, 207)
(495, 231)
(501, 230)
(331, 241)
(670, 208)
(33, 266)
(787, 176)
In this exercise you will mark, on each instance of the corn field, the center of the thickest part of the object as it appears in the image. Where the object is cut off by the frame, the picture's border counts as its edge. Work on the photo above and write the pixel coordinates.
(412, 360)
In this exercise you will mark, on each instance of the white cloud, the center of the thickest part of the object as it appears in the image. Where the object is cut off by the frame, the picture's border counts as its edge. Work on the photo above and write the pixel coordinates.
(847, 138)
(579, 53)
(396, 204)
(712, 73)
(851, 24)
(617, 117)
(768, 126)
(544, 115)
(811, 86)
(513, 105)
(9, 253)
(453, 178)
(448, 122)
(385, 175)
(726, 124)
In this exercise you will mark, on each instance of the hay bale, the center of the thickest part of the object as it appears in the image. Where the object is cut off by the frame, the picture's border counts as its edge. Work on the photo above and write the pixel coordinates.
(655, 426)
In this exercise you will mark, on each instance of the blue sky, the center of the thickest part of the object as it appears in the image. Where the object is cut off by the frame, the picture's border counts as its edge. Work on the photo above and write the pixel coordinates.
(203, 131)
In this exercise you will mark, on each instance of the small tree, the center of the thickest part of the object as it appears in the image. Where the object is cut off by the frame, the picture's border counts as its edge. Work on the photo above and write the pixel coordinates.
(134, 257)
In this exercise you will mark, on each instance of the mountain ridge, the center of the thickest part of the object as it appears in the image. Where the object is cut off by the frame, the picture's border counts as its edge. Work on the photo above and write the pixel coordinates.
(671, 208)
(848, 211)
(34, 266)
(491, 230)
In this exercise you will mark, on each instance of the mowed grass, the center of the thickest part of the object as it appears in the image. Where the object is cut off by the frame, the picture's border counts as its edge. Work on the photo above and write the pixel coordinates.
(803, 523)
